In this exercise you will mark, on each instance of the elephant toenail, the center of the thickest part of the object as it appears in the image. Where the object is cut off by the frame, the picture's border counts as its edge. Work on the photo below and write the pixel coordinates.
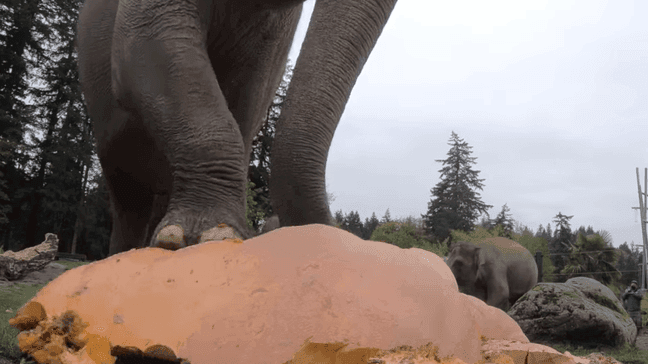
(171, 237)
(221, 232)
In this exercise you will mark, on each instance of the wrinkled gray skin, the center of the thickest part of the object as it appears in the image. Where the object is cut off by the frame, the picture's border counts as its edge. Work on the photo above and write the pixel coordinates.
(178, 90)
(271, 224)
(496, 275)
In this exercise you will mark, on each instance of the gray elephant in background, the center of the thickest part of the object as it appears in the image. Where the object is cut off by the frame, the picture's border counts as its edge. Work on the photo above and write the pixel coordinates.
(178, 90)
(498, 271)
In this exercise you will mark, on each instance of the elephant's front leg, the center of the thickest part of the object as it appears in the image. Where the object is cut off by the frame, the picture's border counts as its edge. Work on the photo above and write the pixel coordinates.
(498, 292)
(161, 73)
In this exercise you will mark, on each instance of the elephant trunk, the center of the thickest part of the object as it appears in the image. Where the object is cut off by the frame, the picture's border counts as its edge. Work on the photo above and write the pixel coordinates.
(340, 37)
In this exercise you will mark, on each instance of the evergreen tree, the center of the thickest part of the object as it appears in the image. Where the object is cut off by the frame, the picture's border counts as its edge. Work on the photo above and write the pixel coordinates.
(455, 204)
(522, 229)
(6, 153)
(486, 221)
(64, 154)
(561, 244)
(504, 220)
(544, 233)
(49, 180)
(549, 235)
(259, 169)
(386, 218)
(370, 225)
(95, 236)
(24, 23)
(582, 230)
(339, 218)
(353, 224)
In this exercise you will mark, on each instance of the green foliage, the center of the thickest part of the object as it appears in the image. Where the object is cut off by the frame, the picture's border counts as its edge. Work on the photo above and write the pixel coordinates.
(404, 236)
(594, 258)
(480, 233)
(253, 212)
(352, 223)
(455, 204)
(369, 226)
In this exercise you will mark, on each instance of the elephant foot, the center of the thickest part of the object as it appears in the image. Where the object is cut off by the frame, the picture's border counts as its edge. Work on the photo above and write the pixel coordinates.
(172, 237)
(182, 228)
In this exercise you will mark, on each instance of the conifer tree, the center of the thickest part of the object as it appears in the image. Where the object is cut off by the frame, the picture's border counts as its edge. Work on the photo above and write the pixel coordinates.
(370, 225)
(505, 221)
(486, 221)
(548, 234)
(353, 224)
(339, 217)
(560, 246)
(455, 204)
(386, 218)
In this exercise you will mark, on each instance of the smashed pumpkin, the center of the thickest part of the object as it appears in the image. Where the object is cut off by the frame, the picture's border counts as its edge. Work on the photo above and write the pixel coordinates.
(265, 300)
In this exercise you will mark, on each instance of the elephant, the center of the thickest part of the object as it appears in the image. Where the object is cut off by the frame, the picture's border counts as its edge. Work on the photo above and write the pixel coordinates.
(177, 91)
(272, 223)
(498, 270)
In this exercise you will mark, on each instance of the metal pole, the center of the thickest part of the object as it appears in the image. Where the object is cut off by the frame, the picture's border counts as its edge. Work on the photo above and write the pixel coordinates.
(643, 274)
(642, 210)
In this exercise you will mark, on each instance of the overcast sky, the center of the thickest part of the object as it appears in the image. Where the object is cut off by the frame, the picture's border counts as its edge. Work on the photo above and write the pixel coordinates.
(551, 95)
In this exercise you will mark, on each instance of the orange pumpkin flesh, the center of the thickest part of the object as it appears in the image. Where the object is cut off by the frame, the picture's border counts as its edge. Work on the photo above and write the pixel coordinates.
(273, 299)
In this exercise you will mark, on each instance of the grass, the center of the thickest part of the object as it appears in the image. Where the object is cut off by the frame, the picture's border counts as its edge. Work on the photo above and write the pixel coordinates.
(19, 294)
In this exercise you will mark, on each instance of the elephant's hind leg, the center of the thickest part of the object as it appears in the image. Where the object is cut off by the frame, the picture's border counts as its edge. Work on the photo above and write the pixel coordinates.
(135, 181)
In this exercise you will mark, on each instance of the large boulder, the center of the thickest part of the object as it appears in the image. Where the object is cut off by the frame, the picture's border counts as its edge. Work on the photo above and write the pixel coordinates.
(258, 301)
(15, 265)
(581, 311)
